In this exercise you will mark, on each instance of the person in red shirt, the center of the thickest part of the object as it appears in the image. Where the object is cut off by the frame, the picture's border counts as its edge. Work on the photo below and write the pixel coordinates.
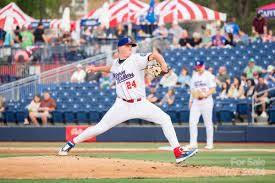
(47, 105)
(259, 25)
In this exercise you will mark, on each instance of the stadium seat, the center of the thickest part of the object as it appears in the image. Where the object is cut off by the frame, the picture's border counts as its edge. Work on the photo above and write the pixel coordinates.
(57, 116)
(69, 116)
(21, 115)
(10, 116)
(94, 116)
(82, 117)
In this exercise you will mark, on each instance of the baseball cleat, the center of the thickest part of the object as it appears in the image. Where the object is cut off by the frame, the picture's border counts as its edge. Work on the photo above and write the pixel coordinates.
(182, 155)
(209, 147)
(66, 148)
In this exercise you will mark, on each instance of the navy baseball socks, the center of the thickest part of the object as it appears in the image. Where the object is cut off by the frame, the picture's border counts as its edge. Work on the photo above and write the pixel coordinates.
(66, 148)
(182, 155)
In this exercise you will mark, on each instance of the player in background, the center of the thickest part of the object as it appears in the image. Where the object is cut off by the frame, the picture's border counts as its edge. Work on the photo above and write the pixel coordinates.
(131, 102)
(202, 86)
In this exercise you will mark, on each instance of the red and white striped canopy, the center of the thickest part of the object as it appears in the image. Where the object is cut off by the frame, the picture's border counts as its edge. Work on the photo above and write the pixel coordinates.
(120, 11)
(18, 16)
(172, 11)
(91, 15)
(55, 23)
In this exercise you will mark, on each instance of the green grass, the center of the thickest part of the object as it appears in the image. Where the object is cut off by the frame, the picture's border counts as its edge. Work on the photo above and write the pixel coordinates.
(248, 179)
(254, 160)
(135, 145)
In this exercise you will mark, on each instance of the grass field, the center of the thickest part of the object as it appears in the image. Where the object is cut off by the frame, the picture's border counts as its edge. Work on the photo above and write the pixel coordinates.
(252, 156)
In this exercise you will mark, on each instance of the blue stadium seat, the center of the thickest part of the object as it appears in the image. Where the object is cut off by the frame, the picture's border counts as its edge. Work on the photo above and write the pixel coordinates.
(58, 116)
(94, 116)
(82, 117)
(21, 115)
(184, 114)
(10, 116)
(69, 117)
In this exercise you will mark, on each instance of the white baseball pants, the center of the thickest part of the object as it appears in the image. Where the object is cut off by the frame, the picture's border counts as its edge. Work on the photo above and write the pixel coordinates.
(122, 111)
(204, 108)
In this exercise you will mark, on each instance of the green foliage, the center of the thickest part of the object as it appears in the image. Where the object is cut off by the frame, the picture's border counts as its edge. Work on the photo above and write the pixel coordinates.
(38, 8)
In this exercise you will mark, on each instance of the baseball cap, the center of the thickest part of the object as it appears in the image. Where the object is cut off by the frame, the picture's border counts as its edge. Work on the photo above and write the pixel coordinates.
(251, 60)
(270, 68)
(199, 64)
(125, 41)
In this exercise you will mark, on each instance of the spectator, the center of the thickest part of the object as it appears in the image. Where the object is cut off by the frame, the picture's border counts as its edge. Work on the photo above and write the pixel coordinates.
(120, 32)
(232, 27)
(2, 107)
(256, 76)
(218, 39)
(249, 92)
(100, 32)
(244, 80)
(243, 38)
(27, 38)
(263, 97)
(268, 37)
(39, 37)
(33, 107)
(9, 38)
(161, 31)
(17, 35)
(169, 97)
(259, 25)
(211, 70)
(2, 36)
(224, 90)
(206, 39)
(169, 79)
(105, 81)
(152, 96)
(176, 31)
(230, 40)
(252, 68)
(184, 40)
(79, 75)
(270, 76)
(236, 89)
(184, 78)
(195, 41)
(47, 105)
(222, 76)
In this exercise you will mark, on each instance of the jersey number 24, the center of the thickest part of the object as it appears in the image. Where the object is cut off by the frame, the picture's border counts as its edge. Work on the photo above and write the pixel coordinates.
(131, 84)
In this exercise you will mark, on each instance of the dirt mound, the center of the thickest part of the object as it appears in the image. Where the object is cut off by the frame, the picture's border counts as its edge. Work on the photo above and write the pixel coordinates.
(54, 167)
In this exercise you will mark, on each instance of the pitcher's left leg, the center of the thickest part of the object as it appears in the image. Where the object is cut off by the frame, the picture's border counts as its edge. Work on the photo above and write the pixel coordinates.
(151, 112)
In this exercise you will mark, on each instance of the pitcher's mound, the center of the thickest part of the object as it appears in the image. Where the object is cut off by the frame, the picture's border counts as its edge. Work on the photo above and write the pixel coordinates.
(54, 167)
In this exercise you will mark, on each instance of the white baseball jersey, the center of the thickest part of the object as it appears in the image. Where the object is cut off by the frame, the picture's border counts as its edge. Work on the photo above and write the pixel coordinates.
(129, 76)
(202, 82)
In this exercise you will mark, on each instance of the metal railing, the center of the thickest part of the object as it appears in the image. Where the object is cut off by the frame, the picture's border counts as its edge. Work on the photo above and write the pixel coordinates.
(255, 104)
(31, 85)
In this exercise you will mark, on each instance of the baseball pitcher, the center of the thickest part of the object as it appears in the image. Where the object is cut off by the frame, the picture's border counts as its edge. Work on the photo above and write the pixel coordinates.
(128, 71)
(202, 87)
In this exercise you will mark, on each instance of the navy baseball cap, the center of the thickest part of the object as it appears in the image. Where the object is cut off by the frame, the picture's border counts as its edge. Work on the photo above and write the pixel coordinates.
(199, 64)
(125, 41)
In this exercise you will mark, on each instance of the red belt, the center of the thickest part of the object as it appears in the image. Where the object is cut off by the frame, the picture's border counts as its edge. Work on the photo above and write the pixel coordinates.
(132, 100)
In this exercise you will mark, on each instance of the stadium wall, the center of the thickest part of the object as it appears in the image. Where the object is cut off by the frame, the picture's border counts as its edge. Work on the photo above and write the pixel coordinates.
(139, 134)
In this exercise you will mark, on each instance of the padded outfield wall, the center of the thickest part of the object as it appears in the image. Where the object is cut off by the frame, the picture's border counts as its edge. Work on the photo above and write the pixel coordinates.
(138, 134)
